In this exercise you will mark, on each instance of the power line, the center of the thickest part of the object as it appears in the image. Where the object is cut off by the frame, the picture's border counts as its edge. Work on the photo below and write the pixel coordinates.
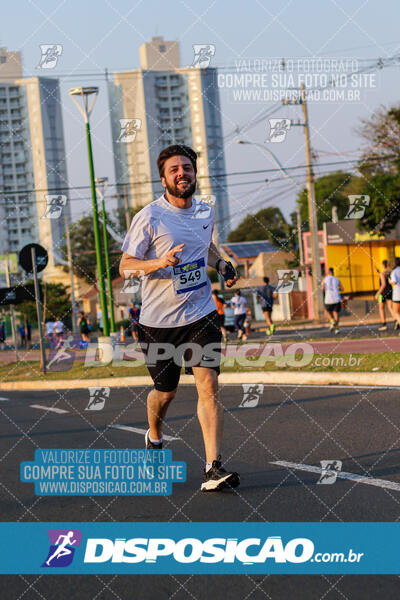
(391, 157)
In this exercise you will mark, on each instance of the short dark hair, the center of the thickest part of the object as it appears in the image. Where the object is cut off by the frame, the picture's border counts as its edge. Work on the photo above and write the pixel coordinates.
(331, 270)
(176, 150)
(266, 279)
(397, 261)
(385, 263)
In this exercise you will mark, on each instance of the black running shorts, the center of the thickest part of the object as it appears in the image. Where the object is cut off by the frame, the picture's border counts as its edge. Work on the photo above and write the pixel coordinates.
(203, 338)
(334, 307)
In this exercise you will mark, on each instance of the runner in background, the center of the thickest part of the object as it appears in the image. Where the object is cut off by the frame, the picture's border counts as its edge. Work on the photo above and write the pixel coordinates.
(134, 315)
(50, 332)
(384, 296)
(84, 327)
(239, 308)
(395, 280)
(58, 331)
(267, 294)
(220, 304)
(332, 287)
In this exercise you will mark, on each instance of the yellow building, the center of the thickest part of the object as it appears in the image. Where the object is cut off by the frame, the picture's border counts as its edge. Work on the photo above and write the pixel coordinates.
(357, 255)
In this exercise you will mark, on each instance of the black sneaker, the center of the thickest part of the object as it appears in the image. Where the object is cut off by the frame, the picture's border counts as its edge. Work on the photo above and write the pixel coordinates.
(216, 478)
(149, 444)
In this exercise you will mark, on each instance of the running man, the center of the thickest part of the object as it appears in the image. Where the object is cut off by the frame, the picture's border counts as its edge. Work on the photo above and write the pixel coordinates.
(384, 295)
(239, 308)
(267, 294)
(332, 287)
(220, 304)
(50, 332)
(170, 242)
(395, 281)
(62, 549)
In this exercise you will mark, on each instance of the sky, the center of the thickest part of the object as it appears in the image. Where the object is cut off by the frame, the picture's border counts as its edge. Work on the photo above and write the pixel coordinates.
(249, 38)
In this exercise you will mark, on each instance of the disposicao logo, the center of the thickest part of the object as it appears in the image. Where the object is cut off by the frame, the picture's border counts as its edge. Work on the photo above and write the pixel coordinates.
(191, 550)
(62, 547)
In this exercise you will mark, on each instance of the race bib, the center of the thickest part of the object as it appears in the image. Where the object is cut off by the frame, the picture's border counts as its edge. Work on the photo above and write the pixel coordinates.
(189, 276)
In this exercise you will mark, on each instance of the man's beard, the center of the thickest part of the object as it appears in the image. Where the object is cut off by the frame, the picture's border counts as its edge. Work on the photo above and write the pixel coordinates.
(178, 193)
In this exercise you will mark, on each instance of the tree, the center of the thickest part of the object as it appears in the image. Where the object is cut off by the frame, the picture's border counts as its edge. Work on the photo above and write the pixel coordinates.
(330, 190)
(383, 211)
(267, 224)
(380, 168)
(83, 247)
(382, 133)
(56, 304)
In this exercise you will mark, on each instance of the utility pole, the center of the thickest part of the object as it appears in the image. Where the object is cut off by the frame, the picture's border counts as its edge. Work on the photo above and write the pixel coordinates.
(299, 237)
(71, 275)
(126, 205)
(312, 213)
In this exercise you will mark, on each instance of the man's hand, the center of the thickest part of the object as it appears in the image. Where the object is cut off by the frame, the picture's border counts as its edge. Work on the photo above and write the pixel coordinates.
(169, 259)
(227, 270)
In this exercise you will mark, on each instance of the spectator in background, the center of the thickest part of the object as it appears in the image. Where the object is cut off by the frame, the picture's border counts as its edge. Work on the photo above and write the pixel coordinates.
(21, 331)
(239, 308)
(220, 307)
(267, 294)
(384, 296)
(332, 287)
(50, 332)
(84, 327)
(58, 331)
(3, 335)
(100, 319)
(395, 281)
(134, 314)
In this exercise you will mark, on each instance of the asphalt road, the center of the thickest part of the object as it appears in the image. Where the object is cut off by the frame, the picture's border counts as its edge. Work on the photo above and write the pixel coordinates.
(296, 425)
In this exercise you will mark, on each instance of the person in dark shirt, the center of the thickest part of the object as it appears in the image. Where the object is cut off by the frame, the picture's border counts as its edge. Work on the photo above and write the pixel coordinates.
(267, 294)
(134, 314)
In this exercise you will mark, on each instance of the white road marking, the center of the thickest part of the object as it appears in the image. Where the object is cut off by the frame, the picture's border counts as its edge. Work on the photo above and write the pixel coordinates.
(168, 438)
(49, 408)
(383, 483)
(4, 399)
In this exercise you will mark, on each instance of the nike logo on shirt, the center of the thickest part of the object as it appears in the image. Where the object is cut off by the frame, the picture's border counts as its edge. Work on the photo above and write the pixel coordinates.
(205, 226)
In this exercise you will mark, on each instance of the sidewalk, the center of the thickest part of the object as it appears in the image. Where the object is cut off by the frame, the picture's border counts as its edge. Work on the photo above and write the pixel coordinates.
(369, 380)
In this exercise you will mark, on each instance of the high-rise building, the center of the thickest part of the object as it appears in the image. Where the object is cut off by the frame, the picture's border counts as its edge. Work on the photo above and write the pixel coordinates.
(32, 161)
(160, 104)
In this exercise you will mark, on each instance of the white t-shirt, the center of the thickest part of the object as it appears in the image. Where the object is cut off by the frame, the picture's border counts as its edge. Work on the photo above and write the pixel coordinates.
(395, 278)
(59, 326)
(50, 327)
(239, 305)
(331, 287)
(179, 295)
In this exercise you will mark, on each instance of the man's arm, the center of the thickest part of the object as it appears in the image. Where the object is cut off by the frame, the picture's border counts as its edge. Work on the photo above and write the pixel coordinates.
(214, 257)
(136, 266)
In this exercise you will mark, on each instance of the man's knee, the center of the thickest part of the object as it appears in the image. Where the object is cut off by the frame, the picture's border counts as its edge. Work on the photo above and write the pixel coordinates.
(207, 383)
(165, 397)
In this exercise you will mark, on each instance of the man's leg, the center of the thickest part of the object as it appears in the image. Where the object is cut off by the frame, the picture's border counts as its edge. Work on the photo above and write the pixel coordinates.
(157, 406)
(209, 410)
(382, 315)
(336, 317)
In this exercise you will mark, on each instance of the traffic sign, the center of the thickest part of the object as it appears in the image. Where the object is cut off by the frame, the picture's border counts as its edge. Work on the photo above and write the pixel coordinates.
(17, 294)
(25, 258)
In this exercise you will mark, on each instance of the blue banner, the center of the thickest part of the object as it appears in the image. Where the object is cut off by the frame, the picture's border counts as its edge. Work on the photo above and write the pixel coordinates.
(200, 548)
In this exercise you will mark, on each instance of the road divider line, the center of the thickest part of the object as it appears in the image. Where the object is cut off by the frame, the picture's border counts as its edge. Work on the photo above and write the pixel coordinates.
(167, 438)
(59, 411)
(382, 483)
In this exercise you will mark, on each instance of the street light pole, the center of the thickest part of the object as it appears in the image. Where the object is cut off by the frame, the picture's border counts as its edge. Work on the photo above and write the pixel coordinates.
(71, 276)
(85, 110)
(101, 184)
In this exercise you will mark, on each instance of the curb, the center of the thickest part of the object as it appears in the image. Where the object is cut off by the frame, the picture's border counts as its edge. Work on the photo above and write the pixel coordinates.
(274, 378)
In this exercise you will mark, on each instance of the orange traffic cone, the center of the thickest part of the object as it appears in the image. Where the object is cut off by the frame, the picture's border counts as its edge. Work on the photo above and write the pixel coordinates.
(122, 334)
